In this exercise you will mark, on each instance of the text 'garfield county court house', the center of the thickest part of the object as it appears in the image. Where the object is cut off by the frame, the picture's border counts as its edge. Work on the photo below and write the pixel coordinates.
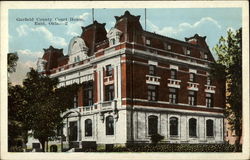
(136, 83)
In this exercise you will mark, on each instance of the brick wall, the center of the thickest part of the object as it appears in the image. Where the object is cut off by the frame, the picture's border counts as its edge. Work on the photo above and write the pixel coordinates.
(140, 69)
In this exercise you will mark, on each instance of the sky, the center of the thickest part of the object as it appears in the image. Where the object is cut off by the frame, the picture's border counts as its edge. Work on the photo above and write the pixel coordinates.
(28, 38)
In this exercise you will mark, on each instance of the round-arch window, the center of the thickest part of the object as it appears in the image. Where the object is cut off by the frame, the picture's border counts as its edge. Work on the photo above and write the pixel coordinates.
(88, 127)
(152, 125)
(109, 125)
(192, 127)
(210, 128)
(173, 126)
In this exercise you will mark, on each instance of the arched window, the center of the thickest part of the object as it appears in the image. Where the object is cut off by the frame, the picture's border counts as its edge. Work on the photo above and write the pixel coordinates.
(152, 125)
(109, 125)
(210, 128)
(88, 127)
(192, 127)
(173, 126)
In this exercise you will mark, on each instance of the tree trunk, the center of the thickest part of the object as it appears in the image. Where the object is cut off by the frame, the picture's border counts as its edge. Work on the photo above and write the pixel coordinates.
(47, 146)
(237, 141)
(42, 141)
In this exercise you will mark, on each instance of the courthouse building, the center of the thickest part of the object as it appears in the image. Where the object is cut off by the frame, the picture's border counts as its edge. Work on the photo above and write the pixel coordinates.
(135, 84)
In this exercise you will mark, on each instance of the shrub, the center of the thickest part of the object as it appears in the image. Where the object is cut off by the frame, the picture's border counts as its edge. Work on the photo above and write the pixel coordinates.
(155, 138)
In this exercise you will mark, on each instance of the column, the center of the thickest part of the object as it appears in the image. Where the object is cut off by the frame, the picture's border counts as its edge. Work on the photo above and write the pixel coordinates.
(79, 132)
(101, 86)
(67, 130)
(183, 130)
(202, 124)
(115, 82)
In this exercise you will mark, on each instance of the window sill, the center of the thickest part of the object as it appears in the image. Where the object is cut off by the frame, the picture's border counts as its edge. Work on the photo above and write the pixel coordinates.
(174, 137)
(193, 137)
(110, 135)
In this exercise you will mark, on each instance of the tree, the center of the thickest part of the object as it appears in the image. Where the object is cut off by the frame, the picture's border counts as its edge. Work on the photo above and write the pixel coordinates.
(16, 129)
(45, 103)
(12, 62)
(229, 68)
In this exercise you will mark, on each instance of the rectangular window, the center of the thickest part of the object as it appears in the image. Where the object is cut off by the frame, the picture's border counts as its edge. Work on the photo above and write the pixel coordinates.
(192, 98)
(205, 56)
(112, 41)
(152, 89)
(73, 131)
(109, 70)
(147, 42)
(88, 94)
(167, 46)
(191, 77)
(209, 100)
(75, 101)
(188, 52)
(173, 95)
(209, 82)
(173, 74)
(151, 69)
(109, 92)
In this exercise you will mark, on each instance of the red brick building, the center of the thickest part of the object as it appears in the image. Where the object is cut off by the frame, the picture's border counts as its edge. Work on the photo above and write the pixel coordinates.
(135, 84)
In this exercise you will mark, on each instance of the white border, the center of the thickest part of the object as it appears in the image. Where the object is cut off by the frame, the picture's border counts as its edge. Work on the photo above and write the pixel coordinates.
(121, 4)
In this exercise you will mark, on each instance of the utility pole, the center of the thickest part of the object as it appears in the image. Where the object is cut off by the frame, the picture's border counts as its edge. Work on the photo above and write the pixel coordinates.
(93, 15)
(145, 19)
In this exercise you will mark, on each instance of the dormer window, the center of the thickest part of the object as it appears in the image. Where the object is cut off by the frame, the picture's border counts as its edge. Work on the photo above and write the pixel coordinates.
(112, 41)
(77, 50)
(148, 42)
(205, 56)
(114, 36)
(167, 46)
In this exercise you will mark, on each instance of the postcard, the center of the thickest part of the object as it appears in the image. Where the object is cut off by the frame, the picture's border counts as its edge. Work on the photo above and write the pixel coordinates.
(125, 80)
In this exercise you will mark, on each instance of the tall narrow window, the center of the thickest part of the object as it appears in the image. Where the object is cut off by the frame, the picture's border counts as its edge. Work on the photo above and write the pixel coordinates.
(173, 95)
(109, 92)
(188, 52)
(209, 100)
(205, 56)
(173, 126)
(88, 94)
(173, 74)
(152, 92)
(75, 101)
(191, 77)
(109, 70)
(88, 127)
(192, 127)
(112, 41)
(73, 131)
(209, 81)
(152, 69)
(109, 125)
(152, 125)
(148, 42)
(192, 98)
(210, 128)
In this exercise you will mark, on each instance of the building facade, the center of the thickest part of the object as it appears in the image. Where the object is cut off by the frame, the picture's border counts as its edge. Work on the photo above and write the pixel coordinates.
(135, 84)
